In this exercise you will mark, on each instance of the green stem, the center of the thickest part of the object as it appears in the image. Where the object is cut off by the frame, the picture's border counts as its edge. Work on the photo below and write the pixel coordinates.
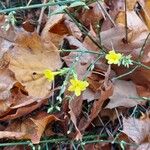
(37, 6)
(140, 98)
(15, 143)
(108, 141)
(87, 139)
(82, 51)
(141, 65)
(125, 74)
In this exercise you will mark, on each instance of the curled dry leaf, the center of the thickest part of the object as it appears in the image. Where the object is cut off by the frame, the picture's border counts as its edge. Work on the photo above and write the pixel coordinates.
(18, 105)
(55, 29)
(124, 94)
(29, 58)
(13, 113)
(137, 129)
(30, 128)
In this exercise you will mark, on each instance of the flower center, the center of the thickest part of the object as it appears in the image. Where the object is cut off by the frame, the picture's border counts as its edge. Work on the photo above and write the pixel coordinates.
(114, 57)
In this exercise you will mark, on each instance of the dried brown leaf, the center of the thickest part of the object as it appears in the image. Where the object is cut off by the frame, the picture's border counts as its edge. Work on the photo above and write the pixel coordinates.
(138, 130)
(55, 29)
(29, 58)
(30, 128)
(105, 92)
(144, 146)
(124, 94)
(145, 11)
(6, 83)
(75, 106)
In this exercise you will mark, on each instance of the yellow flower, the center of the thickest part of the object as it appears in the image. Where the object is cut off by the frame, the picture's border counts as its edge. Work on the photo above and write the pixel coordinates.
(77, 86)
(113, 57)
(49, 75)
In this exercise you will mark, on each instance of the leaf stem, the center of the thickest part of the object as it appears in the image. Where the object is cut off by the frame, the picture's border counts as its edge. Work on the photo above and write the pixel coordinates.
(37, 6)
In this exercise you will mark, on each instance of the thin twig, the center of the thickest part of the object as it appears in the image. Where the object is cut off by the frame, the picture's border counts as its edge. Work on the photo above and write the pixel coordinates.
(41, 16)
(125, 74)
(106, 13)
(141, 65)
(143, 46)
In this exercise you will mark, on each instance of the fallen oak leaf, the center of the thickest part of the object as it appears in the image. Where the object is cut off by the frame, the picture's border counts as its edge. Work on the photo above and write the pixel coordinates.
(29, 58)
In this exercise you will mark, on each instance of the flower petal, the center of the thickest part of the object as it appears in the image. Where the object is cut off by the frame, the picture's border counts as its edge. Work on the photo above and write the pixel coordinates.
(71, 88)
(73, 81)
(77, 92)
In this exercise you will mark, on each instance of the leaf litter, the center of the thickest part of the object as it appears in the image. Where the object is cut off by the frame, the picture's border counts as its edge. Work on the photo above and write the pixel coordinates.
(74, 45)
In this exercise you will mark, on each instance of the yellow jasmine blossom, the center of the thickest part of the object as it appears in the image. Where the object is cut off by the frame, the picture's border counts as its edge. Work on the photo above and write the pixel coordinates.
(113, 57)
(77, 86)
(50, 75)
